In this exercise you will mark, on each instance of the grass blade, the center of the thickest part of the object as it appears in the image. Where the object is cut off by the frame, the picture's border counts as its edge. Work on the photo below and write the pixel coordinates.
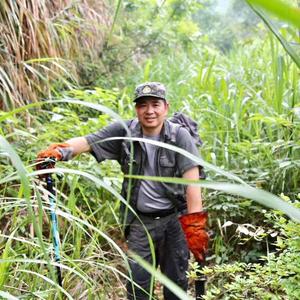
(280, 9)
(8, 296)
(290, 51)
(260, 196)
(162, 278)
(5, 254)
(115, 18)
(185, 153)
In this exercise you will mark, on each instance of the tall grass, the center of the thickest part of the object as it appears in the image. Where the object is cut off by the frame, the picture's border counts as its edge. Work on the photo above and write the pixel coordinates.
(247, 108)
(84, 241)
(77, 265)
(244, 105)
(44, 43)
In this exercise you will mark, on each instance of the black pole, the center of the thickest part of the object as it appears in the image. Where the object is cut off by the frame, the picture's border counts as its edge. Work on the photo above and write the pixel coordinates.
(200, 284)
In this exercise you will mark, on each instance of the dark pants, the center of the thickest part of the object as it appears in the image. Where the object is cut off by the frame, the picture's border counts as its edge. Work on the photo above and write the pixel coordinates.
(171, 254)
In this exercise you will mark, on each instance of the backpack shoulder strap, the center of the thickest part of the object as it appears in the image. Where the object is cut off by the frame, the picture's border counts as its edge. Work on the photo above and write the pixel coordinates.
(132, 123)
(174, 128)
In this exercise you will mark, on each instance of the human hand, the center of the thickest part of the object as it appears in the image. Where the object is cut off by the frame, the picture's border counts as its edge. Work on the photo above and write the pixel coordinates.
(52, 151)
(193, 226)
(46, 158)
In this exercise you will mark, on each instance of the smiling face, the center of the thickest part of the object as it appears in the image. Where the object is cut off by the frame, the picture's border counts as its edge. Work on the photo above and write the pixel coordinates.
(151, 113)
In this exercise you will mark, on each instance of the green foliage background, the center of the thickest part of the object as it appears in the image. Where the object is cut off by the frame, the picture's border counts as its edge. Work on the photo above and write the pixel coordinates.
(236, 73)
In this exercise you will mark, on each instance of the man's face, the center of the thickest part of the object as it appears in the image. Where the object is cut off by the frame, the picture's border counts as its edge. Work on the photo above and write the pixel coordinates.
(151, 112)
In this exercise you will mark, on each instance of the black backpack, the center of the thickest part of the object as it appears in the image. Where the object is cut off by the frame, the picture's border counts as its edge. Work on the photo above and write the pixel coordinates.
(181, 120)
(187, 123)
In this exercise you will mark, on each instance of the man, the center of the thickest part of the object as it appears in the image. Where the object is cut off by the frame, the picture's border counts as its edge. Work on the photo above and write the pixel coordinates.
(158, 205)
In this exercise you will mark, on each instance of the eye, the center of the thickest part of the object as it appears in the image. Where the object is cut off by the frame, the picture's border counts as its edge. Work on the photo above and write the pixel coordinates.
(141, 105)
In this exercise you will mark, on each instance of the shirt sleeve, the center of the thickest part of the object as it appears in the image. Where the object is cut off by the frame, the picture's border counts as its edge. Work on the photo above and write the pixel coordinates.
(185, 141)
(107, 149)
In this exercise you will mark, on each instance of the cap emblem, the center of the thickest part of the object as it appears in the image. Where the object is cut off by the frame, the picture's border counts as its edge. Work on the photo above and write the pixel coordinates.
(146, 89)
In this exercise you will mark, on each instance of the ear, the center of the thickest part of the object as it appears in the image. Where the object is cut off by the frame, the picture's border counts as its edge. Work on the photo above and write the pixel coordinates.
(167, 105)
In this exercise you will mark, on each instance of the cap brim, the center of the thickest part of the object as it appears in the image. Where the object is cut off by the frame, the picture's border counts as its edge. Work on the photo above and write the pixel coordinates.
(148, 95)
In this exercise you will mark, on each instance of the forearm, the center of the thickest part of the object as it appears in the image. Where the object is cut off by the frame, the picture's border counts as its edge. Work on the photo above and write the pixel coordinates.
(78, 145)
(65, 151)
(194, 199)
(193, 192)
(194, 222)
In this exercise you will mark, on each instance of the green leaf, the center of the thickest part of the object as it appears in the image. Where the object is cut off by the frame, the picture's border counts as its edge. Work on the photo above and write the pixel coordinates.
(5, 254)
(115, 18)
(185, 153)
(280, 9)
(260, 196)
(8, 296)
(27, 261)
(290, 51)
(49, 281)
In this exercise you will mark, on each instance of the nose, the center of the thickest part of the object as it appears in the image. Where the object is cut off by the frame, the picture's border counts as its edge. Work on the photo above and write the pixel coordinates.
(149, 109)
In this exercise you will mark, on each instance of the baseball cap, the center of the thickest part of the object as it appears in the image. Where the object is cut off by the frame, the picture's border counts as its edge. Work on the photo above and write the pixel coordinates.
(150, 89)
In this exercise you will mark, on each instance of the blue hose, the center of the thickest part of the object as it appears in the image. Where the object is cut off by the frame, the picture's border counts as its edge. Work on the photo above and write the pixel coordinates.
(54, 222)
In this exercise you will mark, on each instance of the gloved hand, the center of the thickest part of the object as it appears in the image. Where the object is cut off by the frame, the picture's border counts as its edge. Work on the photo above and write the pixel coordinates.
(51, 152)
(193, 226)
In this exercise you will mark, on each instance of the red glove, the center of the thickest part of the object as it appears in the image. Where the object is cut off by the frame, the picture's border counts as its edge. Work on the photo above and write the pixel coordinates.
(51, 152)
(196, 236)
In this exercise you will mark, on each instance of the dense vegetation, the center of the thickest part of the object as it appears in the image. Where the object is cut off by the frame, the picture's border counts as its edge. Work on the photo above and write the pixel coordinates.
(237, 77)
